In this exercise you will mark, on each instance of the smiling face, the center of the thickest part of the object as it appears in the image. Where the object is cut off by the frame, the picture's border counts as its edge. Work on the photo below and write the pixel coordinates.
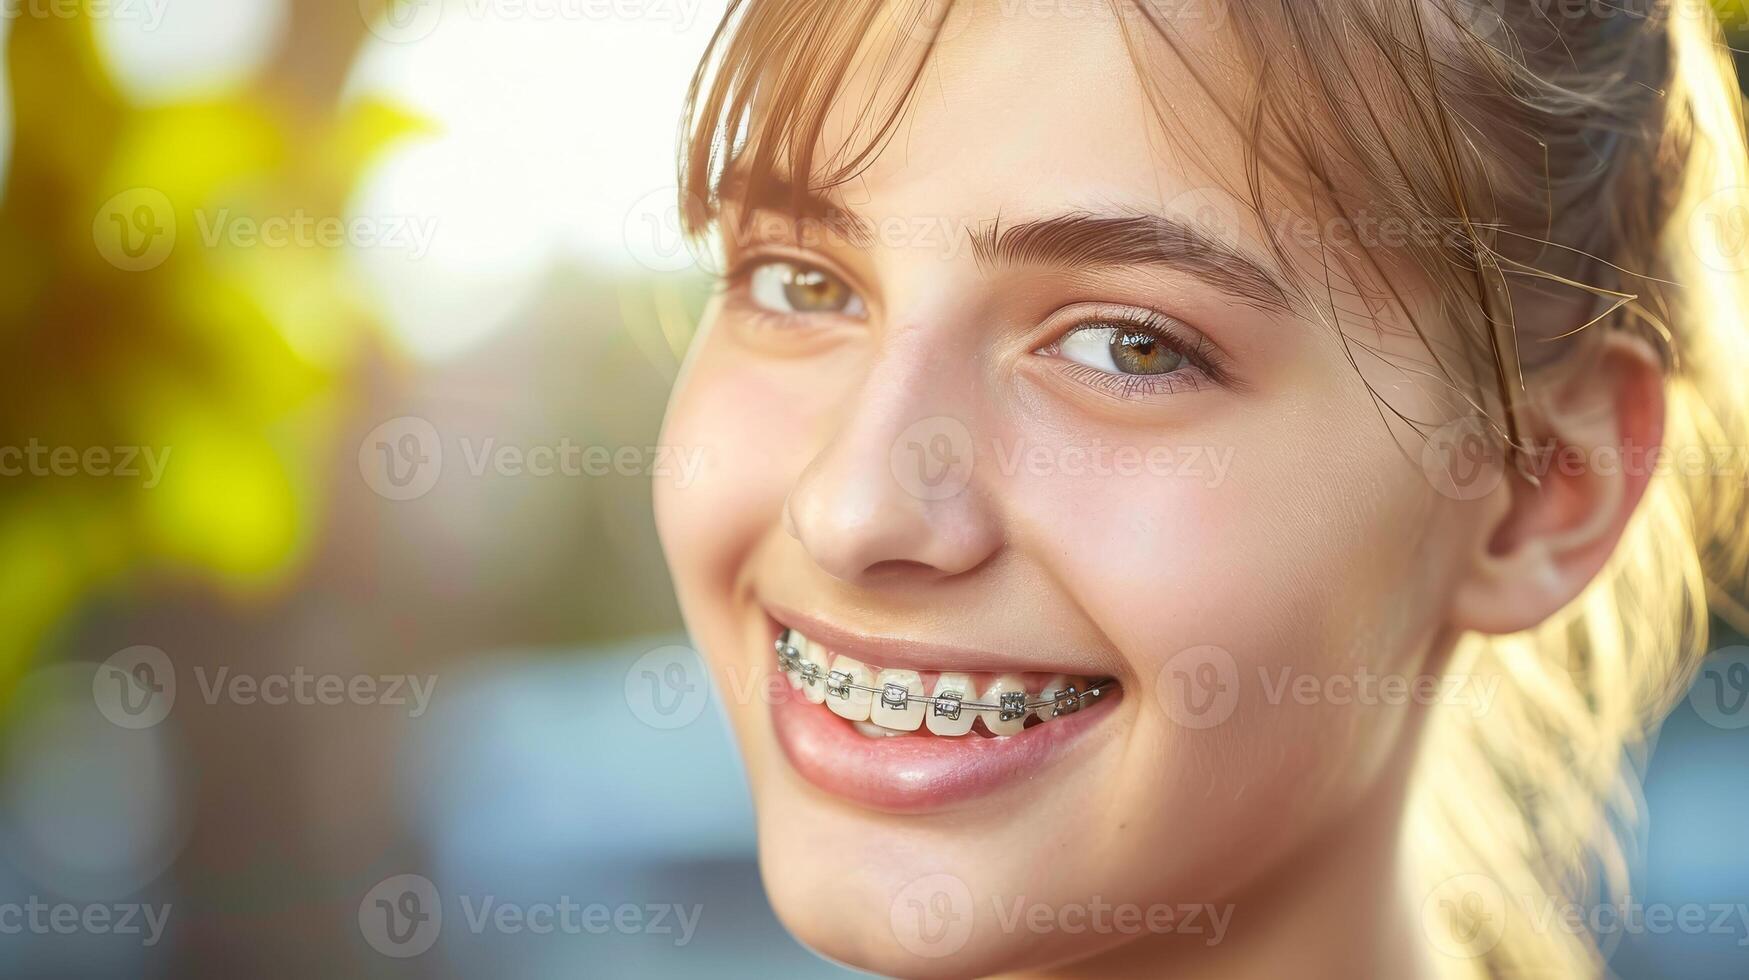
(1097, 438)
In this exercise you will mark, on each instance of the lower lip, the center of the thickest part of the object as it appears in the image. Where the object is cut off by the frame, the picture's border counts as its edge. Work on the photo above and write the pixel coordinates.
(920, 773)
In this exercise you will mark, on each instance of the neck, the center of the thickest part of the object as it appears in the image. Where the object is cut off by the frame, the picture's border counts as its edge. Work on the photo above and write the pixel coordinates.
(1338, 908)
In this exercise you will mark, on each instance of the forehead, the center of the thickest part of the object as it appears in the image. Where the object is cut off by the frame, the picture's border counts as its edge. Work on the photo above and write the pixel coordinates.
(1028, 108)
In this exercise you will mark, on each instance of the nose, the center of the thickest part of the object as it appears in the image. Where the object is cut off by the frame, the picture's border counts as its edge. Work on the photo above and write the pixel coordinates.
(896, 490)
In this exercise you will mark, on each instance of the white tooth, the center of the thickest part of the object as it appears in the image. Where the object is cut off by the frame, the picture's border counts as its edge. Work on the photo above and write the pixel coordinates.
(906, 719)
(872, 730)
(856, 706)
(962, 684)
(819, 656)
(1052, 686)
(1003, 684)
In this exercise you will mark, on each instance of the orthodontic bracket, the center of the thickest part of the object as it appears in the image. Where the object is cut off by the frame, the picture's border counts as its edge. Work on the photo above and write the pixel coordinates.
(947, 704)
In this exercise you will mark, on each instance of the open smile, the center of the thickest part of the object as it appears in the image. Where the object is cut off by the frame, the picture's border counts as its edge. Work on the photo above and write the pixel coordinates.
(912, 738)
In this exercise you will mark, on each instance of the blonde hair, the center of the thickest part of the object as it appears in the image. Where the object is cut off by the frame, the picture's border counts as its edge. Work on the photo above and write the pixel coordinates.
(1577, 152)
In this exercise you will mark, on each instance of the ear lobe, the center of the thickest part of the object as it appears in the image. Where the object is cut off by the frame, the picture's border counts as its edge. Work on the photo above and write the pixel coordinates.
(1595, 436)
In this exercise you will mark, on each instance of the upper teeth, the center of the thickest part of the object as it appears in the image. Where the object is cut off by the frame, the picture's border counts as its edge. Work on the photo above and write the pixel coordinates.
(895, 699)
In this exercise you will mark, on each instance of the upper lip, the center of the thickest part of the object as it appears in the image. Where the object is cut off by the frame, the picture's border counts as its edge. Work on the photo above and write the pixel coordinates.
(899, 652)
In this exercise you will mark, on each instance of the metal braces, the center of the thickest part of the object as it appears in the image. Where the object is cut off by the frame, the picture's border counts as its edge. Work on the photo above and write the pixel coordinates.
(948, 704)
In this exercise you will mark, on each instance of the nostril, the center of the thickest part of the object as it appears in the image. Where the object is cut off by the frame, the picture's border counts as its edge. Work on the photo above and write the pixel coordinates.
(899, 568)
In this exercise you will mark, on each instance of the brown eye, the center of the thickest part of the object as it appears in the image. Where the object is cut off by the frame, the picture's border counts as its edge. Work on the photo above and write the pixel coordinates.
(1121, 350)
(1138, 352)
(790, 287)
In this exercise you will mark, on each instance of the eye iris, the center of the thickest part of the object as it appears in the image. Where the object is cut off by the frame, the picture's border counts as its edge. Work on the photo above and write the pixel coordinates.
(1135, 352)
(814, 290)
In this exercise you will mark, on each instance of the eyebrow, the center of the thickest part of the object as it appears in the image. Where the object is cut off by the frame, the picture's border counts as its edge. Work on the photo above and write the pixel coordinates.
(1075, 239)
(1083, 239)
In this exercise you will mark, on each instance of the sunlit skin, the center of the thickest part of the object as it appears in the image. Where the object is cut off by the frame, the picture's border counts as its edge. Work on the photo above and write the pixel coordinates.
(1322, 550)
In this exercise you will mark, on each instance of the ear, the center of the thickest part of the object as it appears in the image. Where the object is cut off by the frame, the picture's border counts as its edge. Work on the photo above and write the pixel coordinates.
(1596, 433)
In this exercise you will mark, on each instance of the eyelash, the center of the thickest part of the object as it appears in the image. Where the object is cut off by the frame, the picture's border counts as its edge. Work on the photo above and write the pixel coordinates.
(736, 280)
(1207, 360)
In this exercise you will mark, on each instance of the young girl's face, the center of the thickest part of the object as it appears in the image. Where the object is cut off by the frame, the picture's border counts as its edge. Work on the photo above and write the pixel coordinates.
(1099, 437)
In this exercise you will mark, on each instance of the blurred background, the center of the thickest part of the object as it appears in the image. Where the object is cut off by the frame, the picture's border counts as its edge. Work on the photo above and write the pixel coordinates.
(334, 634)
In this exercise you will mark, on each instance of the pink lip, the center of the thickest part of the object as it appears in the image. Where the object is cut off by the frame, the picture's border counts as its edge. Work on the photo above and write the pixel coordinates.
(920, 773)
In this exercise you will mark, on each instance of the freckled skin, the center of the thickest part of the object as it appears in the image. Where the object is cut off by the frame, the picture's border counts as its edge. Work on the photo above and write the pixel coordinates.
(1316, 553)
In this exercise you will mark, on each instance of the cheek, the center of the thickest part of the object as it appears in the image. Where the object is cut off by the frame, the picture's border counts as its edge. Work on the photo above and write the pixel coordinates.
(1280, 559)
(740, 425)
